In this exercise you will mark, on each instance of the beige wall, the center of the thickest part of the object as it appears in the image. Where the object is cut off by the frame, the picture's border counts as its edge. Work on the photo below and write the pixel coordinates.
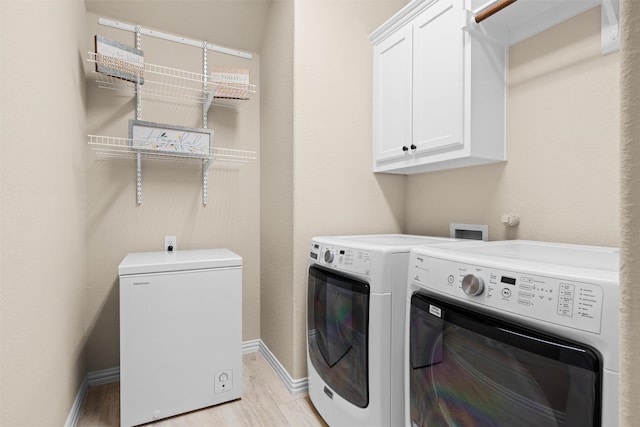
(316, 137)
(172, 201)
(42, 210)
(335, 191)
(562, 172)
(276, 191)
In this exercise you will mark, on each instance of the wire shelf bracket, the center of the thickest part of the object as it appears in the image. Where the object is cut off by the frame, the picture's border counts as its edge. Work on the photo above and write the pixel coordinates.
(180, 85)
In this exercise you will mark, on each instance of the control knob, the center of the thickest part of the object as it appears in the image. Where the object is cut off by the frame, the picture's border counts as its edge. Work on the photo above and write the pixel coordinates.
(472, 285)
(328, 256)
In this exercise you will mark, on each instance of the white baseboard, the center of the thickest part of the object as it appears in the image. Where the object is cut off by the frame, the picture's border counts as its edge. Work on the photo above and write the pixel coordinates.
(251, 346)
(104, 376)
(300, 385)
(76, 408)
(110, 375)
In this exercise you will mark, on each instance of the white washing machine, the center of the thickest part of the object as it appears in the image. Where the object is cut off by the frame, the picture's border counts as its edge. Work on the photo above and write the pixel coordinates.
(355, 324)
(512, 333)
(180, 332)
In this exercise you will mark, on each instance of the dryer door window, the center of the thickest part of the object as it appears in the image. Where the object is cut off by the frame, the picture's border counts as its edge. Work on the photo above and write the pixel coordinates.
(337, 333)
(467, 369)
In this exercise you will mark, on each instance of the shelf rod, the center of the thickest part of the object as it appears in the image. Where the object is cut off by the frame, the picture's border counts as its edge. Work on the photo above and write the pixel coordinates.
(493, 9)
(173, 38)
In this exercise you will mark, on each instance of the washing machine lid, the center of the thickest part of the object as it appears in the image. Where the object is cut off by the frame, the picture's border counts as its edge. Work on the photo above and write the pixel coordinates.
(159, 262)
(597, 261)
(383, 241)
(595, 257)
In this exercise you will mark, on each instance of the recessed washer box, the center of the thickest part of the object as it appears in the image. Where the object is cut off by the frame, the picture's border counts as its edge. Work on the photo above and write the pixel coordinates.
(469, 231)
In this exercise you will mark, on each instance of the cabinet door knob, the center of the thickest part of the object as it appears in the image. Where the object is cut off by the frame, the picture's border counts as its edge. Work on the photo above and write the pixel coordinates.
(413, 147)
(405, 148)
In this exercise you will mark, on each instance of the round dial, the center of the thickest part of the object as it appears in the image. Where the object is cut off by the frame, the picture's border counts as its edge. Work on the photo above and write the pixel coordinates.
(472, 285)
(328, 255)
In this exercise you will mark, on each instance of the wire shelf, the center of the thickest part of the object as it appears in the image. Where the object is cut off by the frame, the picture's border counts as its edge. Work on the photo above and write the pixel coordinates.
(114, 147)
(180, 85)
(176, 85)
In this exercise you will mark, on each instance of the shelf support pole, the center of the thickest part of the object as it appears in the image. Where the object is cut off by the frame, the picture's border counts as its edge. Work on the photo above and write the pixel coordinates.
(205, 181)
(138, 85)
(205, 108)
(139, 178)
(138, 117)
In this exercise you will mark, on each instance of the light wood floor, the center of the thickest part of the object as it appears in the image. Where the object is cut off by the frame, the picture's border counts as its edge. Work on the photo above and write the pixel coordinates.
(266, 402)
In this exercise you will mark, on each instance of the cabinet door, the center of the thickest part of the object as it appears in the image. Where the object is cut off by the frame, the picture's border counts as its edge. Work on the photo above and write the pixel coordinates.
(392, 91)
(438, 43)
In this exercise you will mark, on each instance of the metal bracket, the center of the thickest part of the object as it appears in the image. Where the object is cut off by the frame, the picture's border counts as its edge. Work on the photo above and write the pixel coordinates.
(497, 36)
(208, 99)
(610, 24)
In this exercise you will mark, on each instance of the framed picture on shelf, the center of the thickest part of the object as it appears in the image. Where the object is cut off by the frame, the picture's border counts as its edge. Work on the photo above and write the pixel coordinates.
(231, 83)
(163, 138)
(118, 60)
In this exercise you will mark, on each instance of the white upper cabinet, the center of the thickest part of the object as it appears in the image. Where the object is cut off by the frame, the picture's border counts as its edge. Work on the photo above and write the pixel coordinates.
(438, 70)
(393, 85)
(439, 77)
(439, 91)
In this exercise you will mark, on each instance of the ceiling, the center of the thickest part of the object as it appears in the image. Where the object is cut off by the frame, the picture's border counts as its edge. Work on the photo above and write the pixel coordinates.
(236, 24)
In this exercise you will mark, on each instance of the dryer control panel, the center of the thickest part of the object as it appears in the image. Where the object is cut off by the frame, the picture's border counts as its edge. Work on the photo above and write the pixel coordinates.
(342, 258)
(568, 303)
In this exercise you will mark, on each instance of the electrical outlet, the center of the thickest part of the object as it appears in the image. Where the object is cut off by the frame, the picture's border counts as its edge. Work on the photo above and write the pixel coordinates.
(170, 243)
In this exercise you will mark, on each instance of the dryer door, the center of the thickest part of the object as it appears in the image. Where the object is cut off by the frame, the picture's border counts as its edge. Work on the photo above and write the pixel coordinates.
(468, 369)
(337, 333)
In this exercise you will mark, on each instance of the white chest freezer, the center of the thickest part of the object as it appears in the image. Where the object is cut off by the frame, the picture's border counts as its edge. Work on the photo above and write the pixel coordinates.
(180, 332)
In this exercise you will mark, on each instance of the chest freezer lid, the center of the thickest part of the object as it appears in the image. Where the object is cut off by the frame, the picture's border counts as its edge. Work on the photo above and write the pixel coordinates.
(158, 262)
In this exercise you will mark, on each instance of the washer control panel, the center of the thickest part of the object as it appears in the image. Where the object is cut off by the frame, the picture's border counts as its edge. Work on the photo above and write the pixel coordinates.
(341, 258)
(569, 303)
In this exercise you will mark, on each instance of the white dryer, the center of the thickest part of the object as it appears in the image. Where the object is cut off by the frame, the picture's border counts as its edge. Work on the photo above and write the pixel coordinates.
(512, 333)
(355, 326)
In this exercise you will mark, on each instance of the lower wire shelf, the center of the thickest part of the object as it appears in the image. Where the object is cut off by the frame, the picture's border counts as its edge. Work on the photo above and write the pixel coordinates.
(218, 157)
(110, 146)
